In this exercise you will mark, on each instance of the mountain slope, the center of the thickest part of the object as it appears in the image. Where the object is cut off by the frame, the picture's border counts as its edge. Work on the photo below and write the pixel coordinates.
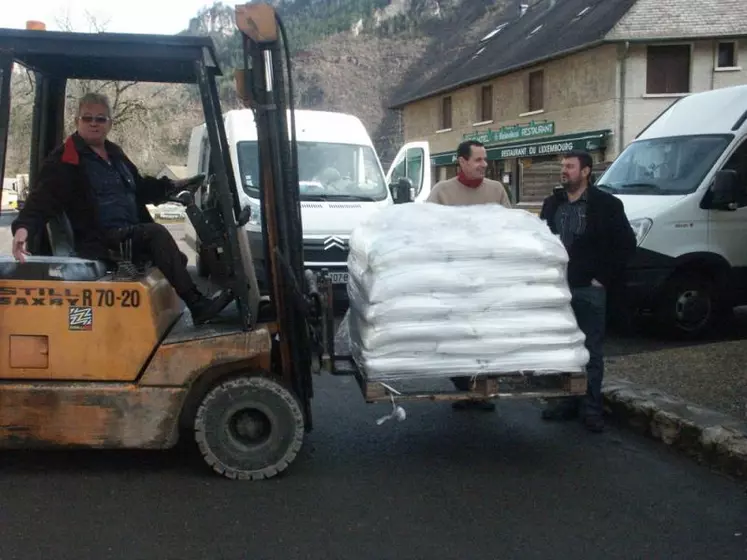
(353, 55)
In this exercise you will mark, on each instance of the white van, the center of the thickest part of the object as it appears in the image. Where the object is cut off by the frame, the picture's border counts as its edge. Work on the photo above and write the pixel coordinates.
(683, 182)
(340, 176)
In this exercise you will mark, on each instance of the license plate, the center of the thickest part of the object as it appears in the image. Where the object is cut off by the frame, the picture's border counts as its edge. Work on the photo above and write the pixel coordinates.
(339, 277)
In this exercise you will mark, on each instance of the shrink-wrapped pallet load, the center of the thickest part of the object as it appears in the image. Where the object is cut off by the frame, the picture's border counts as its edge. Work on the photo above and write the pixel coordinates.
(442, 291)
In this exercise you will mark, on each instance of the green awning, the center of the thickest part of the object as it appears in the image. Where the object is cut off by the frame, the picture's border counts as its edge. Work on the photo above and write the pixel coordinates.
(589, 141)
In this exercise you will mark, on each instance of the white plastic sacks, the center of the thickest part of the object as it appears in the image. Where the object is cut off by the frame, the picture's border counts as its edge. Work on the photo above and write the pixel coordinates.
(441, 291)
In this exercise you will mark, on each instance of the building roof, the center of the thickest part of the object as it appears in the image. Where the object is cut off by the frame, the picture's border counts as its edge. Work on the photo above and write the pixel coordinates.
(678, 19)
(548, 28)
(110, 56)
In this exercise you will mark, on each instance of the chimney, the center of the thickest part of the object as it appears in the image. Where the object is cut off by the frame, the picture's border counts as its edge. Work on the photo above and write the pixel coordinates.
(523, 7)
(35, 25)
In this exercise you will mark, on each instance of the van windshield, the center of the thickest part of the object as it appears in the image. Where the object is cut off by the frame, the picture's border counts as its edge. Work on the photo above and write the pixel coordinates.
(326, 171)
(668, 166)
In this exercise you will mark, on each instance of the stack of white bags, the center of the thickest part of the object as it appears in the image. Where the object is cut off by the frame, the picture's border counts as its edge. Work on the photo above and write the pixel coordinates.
(440, 291)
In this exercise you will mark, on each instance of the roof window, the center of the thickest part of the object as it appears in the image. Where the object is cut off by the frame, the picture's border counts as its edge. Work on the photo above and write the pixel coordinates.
(535, 30)
(478, 53)
(493, 33)
(581, 14)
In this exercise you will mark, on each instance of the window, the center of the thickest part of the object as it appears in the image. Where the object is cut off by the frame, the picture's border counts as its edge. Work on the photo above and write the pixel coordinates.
(446, 113)
(668, 69)
(664, 166)
(738, 163)
(727, 55)
(326, 171)
(414, 170)
(411, 166)
(485, 104)
(536, 91)
(399, 171)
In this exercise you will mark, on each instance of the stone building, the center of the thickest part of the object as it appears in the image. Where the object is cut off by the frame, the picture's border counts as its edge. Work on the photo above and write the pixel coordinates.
(563, 74)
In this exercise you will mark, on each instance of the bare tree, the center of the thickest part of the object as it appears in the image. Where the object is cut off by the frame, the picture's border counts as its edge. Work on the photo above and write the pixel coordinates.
(124, 108)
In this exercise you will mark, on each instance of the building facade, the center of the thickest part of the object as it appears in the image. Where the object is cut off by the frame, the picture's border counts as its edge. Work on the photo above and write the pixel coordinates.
(597, 97)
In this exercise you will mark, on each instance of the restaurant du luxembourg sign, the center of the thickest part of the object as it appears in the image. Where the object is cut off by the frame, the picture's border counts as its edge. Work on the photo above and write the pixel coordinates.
(588, 141)
(512, 133)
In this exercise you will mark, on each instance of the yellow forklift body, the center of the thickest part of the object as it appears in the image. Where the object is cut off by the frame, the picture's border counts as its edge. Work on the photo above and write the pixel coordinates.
(76, 331)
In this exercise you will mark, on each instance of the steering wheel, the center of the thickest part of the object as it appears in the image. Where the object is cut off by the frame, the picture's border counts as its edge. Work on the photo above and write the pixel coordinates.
(186, 195)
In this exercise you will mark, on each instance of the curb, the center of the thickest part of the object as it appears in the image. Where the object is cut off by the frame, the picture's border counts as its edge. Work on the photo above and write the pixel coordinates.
(710, 437)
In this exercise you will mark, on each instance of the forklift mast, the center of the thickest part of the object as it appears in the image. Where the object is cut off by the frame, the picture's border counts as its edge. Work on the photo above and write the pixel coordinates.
(262, 87)
(6, 69)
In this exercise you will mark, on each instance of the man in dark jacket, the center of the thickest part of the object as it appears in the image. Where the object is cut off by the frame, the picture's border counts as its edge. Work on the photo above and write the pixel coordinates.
(597, 235)
(104, 197)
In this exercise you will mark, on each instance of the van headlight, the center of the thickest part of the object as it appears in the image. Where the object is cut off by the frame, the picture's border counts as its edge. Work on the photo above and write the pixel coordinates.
(641, 228)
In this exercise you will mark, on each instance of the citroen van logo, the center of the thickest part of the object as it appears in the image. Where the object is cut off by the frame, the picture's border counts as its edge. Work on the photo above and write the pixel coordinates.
(334, 242)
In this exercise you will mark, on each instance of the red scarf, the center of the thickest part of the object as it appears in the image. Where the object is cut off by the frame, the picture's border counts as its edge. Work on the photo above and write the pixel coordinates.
(467, 182)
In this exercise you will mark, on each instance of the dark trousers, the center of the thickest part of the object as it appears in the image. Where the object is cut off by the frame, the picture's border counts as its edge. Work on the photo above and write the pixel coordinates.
(153, 242)
(589, 306)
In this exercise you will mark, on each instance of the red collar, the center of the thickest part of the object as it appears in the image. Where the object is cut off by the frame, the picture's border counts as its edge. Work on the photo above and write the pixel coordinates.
(70, 153)
(74, 144)
(467, 182)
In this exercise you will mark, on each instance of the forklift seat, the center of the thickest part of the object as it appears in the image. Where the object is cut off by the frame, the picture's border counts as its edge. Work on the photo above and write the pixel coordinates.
(61, 236)
(62, 266)
(53, 269)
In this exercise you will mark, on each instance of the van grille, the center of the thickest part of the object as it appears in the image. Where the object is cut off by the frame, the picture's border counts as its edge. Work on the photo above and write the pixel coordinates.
(331, 249)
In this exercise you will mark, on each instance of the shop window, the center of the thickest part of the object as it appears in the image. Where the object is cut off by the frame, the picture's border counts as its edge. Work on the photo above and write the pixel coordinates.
(446, 113)
(668, 69)
(485, 104)
(536, 91)
(727, 55)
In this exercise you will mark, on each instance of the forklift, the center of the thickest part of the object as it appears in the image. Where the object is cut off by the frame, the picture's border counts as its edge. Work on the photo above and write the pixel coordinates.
(103, 354)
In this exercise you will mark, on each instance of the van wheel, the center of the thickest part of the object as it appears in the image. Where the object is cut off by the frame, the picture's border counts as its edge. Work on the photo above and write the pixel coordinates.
(688, 306)
(249, 428)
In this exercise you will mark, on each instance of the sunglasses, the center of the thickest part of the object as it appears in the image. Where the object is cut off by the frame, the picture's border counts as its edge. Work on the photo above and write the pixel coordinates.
(90, 119)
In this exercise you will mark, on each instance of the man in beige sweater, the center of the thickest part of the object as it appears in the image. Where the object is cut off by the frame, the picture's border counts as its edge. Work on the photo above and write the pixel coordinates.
(470, 187)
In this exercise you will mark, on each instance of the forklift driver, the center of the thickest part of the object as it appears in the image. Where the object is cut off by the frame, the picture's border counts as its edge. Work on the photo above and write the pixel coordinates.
(104, 198)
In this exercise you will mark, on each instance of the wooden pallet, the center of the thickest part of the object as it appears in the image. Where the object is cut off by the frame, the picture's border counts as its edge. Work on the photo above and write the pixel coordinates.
(519, 385)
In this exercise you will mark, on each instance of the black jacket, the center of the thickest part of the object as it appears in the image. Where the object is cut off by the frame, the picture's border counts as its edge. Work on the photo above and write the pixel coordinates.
(63, 185)
(605, 247)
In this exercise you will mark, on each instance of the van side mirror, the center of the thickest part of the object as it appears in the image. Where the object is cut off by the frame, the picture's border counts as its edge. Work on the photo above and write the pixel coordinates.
(402, 190)
(725, 190)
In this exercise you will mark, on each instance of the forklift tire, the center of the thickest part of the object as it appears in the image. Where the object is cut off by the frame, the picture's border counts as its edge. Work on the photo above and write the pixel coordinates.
(249, 428)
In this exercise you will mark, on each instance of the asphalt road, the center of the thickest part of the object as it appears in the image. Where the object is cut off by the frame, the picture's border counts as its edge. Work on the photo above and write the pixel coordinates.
(441, 484)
